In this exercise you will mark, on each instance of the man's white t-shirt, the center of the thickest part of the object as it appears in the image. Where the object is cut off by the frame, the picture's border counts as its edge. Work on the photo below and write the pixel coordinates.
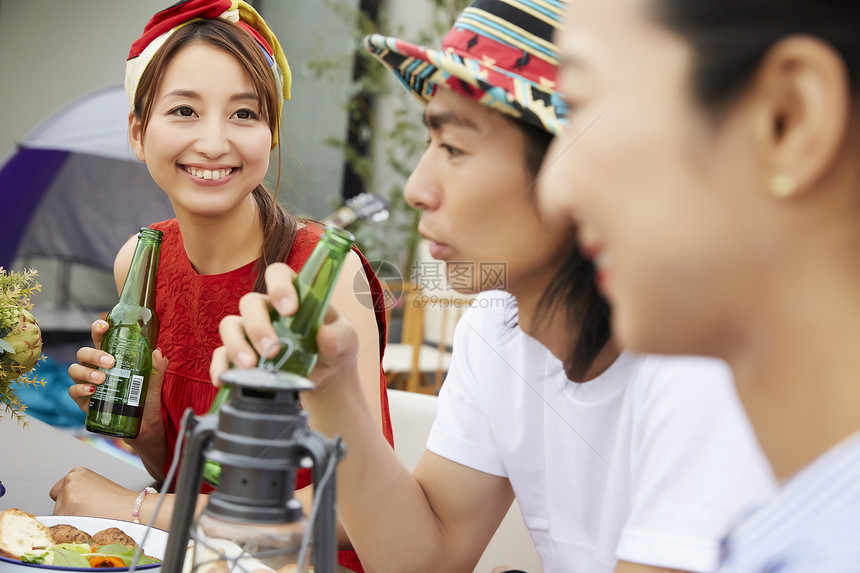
(648, 463)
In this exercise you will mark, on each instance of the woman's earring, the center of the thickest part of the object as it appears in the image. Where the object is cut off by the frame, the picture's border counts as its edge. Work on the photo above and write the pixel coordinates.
(782, 186)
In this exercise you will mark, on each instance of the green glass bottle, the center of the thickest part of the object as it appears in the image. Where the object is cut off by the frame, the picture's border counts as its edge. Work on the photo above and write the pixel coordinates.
(314, 284)
(116, 406)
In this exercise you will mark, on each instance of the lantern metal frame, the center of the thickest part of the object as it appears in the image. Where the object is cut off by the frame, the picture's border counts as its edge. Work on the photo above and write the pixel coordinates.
(261, 438)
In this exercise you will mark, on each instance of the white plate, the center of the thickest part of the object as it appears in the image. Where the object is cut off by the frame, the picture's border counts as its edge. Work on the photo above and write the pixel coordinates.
(156, 543)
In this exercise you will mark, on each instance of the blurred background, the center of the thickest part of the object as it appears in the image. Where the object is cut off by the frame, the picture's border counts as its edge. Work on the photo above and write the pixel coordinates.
(71, 192)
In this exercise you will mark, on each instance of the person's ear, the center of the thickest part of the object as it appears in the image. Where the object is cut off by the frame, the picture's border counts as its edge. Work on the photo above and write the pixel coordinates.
(803, 90)
(135, 136)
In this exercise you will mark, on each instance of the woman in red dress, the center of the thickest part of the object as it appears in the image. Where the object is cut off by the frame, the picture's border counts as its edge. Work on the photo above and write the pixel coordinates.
(206, 83)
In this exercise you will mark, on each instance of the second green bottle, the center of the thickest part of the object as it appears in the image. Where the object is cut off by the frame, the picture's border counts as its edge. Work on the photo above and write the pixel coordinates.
(314, 284)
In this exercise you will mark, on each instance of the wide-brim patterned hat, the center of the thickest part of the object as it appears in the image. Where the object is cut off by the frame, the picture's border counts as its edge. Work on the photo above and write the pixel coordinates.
(239, 12)
(499, 53)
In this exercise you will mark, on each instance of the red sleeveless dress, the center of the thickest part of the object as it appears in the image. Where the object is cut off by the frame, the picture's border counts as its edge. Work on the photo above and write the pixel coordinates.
(190, 308)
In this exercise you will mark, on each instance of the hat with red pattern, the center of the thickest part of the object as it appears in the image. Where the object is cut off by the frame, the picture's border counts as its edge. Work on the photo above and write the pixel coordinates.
(239, 12)
(499, 53)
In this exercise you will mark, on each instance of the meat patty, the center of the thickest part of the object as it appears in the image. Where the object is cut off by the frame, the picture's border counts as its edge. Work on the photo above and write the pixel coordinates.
(64, 533)
(113, 535)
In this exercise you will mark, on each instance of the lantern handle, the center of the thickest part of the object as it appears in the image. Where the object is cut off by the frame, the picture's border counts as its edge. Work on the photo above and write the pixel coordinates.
(290, 347)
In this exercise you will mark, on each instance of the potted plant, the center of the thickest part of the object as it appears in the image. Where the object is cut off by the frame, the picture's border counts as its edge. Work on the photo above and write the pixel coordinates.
(20, 339)
(396, 125)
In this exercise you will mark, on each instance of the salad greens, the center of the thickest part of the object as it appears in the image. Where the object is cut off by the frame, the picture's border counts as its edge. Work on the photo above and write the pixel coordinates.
(79, 554)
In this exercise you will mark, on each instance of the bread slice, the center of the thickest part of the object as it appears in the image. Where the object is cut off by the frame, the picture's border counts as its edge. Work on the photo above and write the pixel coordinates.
(20, 532)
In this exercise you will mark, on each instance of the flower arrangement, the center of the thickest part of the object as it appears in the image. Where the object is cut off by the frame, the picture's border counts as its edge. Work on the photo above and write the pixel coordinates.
(20, 338)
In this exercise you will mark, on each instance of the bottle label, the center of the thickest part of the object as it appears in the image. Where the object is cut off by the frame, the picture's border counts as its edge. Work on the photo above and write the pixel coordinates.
(123, 385)
(113, 388)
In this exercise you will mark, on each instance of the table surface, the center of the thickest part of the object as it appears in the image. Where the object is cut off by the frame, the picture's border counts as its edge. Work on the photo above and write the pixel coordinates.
(35, 457)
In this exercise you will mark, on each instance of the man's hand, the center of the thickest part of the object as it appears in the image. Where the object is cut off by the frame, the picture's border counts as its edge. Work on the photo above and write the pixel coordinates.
(336, 339)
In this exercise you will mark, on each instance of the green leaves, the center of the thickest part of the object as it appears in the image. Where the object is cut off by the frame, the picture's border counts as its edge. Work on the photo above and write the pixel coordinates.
(125, 553)
(78, 554)
(69, 557)
(64, 555)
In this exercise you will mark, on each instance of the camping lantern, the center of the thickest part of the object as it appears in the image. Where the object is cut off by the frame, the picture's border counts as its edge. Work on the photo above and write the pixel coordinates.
(260, 438)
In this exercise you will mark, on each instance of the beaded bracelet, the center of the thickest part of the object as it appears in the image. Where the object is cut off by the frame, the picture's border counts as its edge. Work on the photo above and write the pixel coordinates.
(135, 511)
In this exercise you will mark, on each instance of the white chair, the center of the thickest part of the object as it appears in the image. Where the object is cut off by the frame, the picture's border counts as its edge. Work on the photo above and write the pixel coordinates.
(412, 416)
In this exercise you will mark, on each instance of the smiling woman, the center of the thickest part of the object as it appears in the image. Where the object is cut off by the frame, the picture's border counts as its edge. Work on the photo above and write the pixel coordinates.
(206, 82)
(206, 140)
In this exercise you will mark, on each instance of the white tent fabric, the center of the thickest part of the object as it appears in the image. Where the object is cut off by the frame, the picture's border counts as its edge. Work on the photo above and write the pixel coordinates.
(75, 129)
(74, 193)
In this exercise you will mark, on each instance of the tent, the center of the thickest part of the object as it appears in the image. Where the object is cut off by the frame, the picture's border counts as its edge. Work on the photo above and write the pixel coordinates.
(70, 195)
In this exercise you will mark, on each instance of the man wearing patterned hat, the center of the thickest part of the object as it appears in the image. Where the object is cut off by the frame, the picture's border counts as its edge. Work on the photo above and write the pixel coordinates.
(619, 462)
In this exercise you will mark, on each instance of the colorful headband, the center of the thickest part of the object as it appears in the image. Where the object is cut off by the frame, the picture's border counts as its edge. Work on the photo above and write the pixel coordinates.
(499, 53)
(164, 23)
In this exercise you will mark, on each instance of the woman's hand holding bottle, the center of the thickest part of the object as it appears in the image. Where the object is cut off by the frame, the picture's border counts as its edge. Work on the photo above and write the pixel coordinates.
(86, 375)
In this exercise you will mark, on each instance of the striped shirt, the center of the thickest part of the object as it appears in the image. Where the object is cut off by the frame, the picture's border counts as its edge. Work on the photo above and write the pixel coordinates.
(810, 525)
